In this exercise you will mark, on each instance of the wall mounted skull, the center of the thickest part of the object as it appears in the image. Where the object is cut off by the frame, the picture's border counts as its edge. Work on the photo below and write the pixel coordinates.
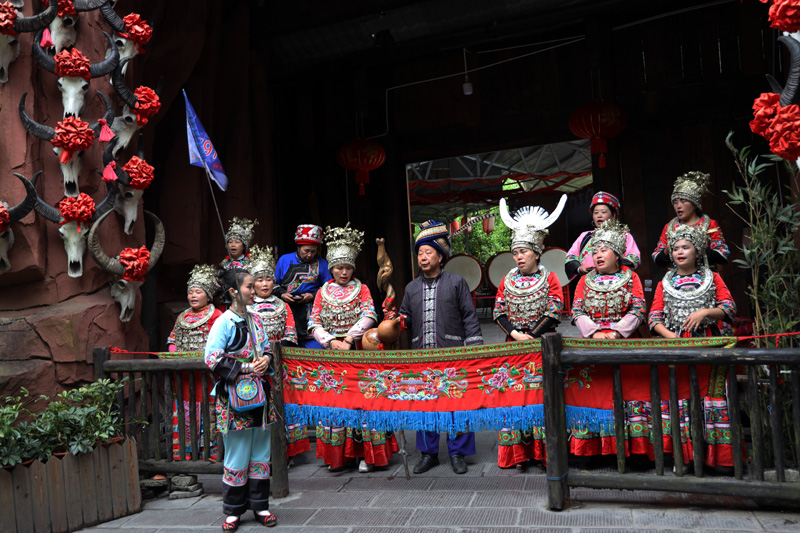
(11, 24)
(14, 214)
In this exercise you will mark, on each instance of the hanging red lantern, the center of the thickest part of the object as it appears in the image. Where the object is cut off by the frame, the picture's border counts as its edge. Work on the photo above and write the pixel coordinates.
(464, 222)
(361, 155)
(598, 121)
(488, 225)
(454, 226)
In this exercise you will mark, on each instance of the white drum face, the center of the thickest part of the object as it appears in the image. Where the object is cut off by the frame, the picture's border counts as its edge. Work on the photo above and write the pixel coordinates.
(498, 266)
(553, 260)
(468, 268)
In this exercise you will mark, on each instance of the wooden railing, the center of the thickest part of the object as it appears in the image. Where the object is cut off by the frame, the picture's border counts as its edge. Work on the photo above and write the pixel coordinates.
(748, 484)
(147, 405)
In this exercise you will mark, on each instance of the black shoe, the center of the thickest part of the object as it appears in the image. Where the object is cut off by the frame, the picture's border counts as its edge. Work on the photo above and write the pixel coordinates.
(427, 462)
(458, 464)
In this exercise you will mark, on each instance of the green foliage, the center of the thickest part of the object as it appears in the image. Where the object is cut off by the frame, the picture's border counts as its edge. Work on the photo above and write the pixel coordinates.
(73, 422)
(483, 245)
(770, 253)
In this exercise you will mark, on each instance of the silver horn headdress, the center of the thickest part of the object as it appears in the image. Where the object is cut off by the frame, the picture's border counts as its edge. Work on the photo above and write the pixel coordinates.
(529, 224)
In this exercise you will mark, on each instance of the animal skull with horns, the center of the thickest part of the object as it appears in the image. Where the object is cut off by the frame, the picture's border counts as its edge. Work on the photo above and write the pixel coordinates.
(11, 25)
(13, 214)
(132, 32)
(62, 31)
(74, 72)
(132, 179)
(140, 105)
(129, 267)
(72, 217)
(70, 137)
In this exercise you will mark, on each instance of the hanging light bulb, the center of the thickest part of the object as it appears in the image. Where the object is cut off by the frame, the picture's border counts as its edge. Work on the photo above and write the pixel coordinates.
(467, 85)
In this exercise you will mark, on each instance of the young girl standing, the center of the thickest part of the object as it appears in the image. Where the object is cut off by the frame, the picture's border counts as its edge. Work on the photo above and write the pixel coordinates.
(237, 347)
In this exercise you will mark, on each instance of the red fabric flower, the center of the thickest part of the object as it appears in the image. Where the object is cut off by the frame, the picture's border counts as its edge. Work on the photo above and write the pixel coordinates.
(73, 64)
(65, 7)
(73, 135)
(137, 30)
(5, 218)
(136, 262)
(140, 171)
(8, 16)
(784, 133)
(765, 108)
(784, 15)
(147, 105)
(80, 209)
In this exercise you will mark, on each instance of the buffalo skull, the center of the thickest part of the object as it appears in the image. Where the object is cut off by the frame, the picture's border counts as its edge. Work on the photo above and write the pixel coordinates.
(125, 285)
(127, 203)
(14, 214)
(9, 39)
(75, 85)
(71, 169)
(63, 28)
(73, 233)
(132, 32)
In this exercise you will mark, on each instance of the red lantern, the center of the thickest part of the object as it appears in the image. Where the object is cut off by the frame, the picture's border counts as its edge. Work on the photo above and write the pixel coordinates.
(598, 121)
(488, 225)
(464, 222)
(454, 226)
(362, 156)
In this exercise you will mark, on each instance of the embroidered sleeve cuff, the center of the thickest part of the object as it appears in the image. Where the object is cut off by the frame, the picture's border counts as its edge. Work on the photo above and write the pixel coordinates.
(472, 341)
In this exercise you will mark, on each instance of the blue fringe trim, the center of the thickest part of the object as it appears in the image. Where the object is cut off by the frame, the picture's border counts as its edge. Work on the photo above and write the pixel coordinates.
(586, 418)
(451, 421)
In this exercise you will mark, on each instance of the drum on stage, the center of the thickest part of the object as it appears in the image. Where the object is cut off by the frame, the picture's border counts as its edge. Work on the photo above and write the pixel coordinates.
(468, 267)
(553, 260)
(498, 266)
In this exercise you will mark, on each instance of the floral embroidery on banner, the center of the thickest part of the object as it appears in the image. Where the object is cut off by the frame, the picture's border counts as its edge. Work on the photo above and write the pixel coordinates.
(430, 384)
(511, 378)
(322, 379)
(582, 379)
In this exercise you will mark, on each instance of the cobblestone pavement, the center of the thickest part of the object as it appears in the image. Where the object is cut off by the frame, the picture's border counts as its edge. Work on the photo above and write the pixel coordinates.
(486, 499)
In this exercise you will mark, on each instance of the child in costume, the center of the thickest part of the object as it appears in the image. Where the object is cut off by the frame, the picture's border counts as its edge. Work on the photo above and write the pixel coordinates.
(687, 196)
(604, 206)
(237, 348)
(238, 237)
(693, 301)
(189, 335)
(276, 316)
(528, 305)
(343, 311)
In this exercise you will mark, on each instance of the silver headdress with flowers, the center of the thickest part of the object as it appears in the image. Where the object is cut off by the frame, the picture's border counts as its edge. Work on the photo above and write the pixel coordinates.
(693, 234)
(203, 277)
(613, 234)
(529, 224)
(262, 262)
(343, 245)
(691, 186)
(242, 229)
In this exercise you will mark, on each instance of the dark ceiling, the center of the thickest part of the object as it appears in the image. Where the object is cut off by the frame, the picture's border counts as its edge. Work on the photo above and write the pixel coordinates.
(306, 33)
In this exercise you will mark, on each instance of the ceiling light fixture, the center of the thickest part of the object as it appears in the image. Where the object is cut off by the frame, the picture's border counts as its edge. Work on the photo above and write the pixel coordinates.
(467, 85)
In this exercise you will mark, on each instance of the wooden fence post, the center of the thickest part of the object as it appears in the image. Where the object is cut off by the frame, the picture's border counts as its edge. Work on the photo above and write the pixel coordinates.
(555, 422)
(100, 354)
(280, 467)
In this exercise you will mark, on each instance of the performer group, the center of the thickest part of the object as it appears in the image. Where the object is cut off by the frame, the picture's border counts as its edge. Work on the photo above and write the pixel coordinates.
(314, 302)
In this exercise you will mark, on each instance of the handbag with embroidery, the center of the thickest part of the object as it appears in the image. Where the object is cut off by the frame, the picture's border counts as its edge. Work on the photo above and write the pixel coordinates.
(247, 392)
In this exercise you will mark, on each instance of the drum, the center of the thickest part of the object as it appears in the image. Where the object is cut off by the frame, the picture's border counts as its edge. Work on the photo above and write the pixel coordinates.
(468, 268)
(553, 260)
(498, 266)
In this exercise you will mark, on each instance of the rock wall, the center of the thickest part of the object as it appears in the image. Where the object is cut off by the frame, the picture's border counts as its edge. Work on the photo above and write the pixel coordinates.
(49, 322)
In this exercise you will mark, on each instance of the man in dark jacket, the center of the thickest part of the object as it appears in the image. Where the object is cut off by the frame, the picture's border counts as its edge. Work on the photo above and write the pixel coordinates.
(439, 314)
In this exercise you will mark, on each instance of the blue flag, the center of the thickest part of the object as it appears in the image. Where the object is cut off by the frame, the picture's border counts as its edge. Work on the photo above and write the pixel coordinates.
(201, 151)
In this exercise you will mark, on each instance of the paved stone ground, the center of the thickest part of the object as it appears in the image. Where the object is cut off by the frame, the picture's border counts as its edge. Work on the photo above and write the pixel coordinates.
(487, 499)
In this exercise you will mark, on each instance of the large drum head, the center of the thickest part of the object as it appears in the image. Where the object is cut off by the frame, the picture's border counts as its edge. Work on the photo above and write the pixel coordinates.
(468, 268)
(498, 266)
(553, 260)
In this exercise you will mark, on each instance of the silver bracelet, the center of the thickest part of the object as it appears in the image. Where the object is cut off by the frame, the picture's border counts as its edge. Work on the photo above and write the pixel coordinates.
(248, 368)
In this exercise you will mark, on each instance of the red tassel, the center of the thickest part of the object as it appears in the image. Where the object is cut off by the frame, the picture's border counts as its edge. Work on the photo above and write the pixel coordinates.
(602, 162)
(65, 157)
(47, 39)
(108, 172)
(361, 191)
(105, 132)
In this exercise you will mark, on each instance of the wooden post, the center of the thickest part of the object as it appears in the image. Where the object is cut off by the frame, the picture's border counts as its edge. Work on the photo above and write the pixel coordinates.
(619, 419)
(736, 421)
(675, 422)
(658, 430)
(756, 432)
(698, 421)
(796, 410)
(280, 467)
(776, 422)
(100, 354)
(555, 422)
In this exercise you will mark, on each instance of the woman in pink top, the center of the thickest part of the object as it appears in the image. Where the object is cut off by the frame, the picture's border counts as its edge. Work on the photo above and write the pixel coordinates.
(579, 262)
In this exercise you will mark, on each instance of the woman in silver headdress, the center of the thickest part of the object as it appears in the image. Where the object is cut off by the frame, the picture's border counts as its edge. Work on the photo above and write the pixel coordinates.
(343, 311)
(528, 304)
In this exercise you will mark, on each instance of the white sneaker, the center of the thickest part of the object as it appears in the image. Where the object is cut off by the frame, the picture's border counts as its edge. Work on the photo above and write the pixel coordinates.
(363, 467)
